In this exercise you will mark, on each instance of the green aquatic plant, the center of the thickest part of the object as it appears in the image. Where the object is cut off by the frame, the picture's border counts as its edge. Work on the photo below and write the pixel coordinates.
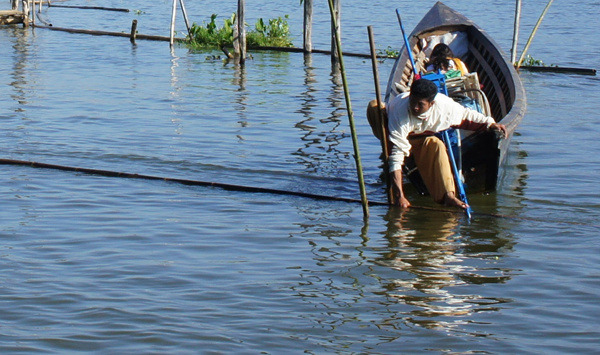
(209, 35)
(276, 33)
(530, 61)
(389, 52)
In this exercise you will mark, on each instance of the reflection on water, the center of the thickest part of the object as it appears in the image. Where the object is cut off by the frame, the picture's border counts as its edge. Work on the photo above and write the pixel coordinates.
(521, 185)
(437, 257)
(241, 99)
(21, 53)
(428, 269)
(321, 135)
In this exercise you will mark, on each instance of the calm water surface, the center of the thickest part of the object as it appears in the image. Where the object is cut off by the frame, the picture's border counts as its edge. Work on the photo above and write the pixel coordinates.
(102, 264)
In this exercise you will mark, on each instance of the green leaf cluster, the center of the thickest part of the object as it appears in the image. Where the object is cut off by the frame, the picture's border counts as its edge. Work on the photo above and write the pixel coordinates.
(530, 61)
(275, 33)
(389, 52)
(208, 35)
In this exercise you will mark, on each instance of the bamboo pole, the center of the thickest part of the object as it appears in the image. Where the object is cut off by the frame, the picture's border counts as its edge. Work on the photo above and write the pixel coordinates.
(25, 8)
(241, 31)
(172, 31)
(185, 16)
(230, 187)
(308, 13)
(109, 33)
(382, 120)
(133, 31)
(361, 181)
(513, 51)
(89, 7)
(537, 25)
(33, 12)
(565, 70)
(335, 9)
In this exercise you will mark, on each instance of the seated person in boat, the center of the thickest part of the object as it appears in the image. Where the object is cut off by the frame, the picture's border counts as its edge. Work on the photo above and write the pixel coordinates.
(413, 120)
(442, 58)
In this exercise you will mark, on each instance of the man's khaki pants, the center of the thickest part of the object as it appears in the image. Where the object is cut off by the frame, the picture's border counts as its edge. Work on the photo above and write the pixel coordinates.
(432, 160)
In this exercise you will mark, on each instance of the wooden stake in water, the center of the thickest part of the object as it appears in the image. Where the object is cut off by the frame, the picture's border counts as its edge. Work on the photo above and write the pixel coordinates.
(133, 31)
(308, 12)
(25, 8)
(239, 33)
(361, 181)
(335, 8)
(172, 31)
(513, 51)
(185, 16)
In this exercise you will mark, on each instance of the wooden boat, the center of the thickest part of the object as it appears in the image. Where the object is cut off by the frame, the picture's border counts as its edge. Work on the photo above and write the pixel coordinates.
(482, 153)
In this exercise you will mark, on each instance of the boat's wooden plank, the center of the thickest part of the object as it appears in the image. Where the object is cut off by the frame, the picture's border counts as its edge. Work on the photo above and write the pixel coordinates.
(491, 76)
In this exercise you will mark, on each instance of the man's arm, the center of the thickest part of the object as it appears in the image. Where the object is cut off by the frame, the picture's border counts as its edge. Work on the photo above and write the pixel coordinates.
(396, 177)
(498, 127)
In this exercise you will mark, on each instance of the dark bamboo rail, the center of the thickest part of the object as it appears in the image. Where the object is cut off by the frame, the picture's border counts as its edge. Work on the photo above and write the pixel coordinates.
(89, 7)
(252, 189)
(565, 70)
(229, 187)
(109, 33)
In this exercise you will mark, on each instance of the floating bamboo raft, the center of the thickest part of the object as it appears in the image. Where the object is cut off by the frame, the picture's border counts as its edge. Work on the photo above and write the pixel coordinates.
(11, 17)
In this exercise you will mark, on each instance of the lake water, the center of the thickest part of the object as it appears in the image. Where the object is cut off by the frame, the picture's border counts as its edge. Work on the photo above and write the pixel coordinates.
(109, 265)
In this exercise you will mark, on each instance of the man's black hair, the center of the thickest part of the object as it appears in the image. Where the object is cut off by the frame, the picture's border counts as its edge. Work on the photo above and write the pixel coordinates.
(423, 89)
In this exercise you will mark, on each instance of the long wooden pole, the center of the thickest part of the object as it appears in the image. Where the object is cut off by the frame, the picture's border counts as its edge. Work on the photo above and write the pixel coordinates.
(513, 51)
(229, 187)
(336, 9)
(89, 7)
(25, 8)
(361, 180)
(537, 25)
(308, 13)
(239, 40)
(382, 120)
(172, 31)
(33, 12)
(185, 16)
(133, 31)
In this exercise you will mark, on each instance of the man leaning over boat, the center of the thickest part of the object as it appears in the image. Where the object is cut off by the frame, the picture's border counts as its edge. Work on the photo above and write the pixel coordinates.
(413, 120)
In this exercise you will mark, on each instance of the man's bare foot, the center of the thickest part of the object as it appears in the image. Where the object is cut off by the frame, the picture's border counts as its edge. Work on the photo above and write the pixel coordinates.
(451, 201)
